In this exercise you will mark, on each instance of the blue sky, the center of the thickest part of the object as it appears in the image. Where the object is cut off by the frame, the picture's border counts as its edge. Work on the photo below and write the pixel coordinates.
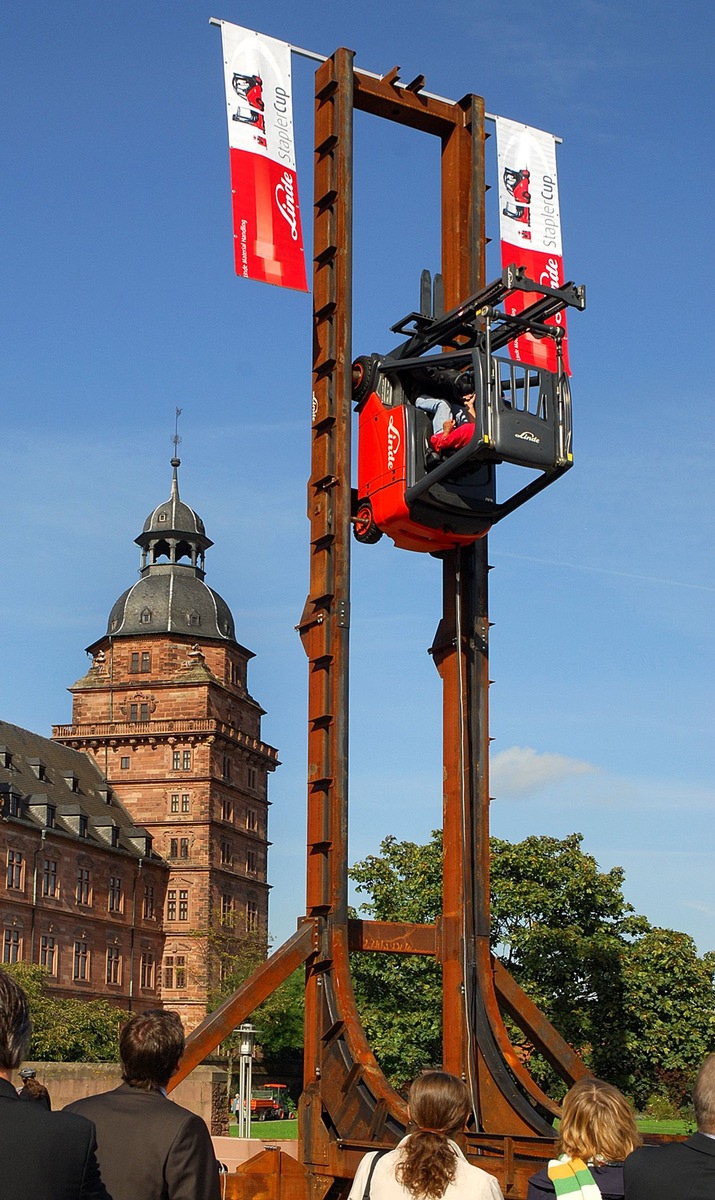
(119, 303)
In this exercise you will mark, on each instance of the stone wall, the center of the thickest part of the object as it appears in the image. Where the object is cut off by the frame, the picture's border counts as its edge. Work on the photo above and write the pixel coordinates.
(202, 1092)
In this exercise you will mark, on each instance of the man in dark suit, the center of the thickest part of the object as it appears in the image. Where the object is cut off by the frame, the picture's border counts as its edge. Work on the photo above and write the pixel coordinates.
(148, 1147)
(43, 1155)
(680, 1170)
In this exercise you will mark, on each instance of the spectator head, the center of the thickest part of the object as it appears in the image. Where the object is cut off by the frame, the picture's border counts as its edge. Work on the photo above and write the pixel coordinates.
(597, 1124)
(150, 1047)
(15, 1026)
(704, 1096)
(439, 1107)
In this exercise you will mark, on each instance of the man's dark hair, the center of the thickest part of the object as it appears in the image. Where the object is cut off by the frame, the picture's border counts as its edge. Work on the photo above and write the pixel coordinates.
(150, 1046)
(15, 1025)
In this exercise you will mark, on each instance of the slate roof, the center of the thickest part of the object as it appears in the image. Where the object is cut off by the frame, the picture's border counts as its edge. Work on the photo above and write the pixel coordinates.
(46, 785)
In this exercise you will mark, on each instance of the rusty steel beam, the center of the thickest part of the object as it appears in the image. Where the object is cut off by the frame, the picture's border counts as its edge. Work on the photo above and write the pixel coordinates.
(270, 975)
(537, 1028)
(393, 937)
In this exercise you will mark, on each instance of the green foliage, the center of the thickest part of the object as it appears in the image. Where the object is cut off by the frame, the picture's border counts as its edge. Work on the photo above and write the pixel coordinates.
(279, 1019)
(400, 997)
(636, 1002)
(68, 1030)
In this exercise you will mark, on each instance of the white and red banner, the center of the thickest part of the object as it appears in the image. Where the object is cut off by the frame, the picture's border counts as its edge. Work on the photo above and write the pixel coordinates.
(530, 227)
(268, 240)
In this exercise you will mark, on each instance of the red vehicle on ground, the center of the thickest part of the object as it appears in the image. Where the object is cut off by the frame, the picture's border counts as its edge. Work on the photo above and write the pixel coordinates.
(268, 1102)
(433, 502)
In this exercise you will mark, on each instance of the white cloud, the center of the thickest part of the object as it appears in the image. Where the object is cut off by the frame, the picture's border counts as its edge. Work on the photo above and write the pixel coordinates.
(520, 770)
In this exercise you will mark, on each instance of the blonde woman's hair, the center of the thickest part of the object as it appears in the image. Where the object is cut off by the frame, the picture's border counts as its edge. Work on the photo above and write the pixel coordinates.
(439, 1107)
(597, 1124)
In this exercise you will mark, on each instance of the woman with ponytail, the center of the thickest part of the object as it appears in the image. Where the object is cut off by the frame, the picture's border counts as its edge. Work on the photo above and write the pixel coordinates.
(427, 1164)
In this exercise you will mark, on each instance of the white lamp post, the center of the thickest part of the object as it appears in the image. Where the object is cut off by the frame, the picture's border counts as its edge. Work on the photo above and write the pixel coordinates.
(247, 1034)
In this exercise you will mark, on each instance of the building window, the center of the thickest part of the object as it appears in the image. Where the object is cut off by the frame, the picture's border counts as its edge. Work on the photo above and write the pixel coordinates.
(80, 965)
(48, 953)
(226, 810)
(176, 760)
(236, 674)
(115, 894)
(146, 973)
(145, 617)
(251, 862)
(251, 777)
(194, 618)
(134, 664)
(82, 825)
(185, 803)
(175, 972)
(140, 663)
(173, 847)
(251, 819)
(226, 855)
(226, 767)
(227, 909)
(183, 847)
(183, 905)
(11, 946)
(148, 906)
(15, 870)
(114, 965)
(138, 712)
(251, 916)
(124, 763)
(49, 877)
(186, 760)
(171, 904)
(84, 892)
(175, 803)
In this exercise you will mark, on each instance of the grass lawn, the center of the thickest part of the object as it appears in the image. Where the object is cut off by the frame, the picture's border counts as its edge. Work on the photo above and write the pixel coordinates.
(268, 1131)
(682, 1128)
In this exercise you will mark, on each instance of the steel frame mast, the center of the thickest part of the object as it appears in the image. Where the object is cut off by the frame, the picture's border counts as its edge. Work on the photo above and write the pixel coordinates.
(347, 1106)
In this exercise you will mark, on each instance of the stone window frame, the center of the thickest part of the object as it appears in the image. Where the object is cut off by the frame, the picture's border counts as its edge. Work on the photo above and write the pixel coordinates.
(81, 961)
(15, 873)
(115, 895)
(84, 893)
(12, 944)
(113, 975)
(49, 953)
(50, 879)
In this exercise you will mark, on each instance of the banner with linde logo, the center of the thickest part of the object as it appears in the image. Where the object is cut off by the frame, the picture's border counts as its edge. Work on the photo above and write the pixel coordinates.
(268, 240)
(530, 227)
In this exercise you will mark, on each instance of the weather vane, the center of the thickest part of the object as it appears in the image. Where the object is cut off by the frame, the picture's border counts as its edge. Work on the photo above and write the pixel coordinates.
(176, 439)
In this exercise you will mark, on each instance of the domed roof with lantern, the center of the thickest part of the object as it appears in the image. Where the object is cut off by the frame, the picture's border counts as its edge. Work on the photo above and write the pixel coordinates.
(170, 595)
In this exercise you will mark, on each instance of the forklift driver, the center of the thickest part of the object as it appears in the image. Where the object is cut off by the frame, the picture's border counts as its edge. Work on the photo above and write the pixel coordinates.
(452, 422)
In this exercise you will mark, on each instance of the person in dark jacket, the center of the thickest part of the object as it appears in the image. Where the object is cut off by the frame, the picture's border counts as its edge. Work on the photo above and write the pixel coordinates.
(680, 1170)
(43, 1155)
(33, 1090)
(597, 1132)
(148, 1147)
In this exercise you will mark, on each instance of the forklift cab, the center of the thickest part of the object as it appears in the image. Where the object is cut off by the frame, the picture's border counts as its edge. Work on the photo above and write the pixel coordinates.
(433, 501)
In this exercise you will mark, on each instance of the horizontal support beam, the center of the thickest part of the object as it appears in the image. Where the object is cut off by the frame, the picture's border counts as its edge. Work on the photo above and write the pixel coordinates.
(419, 110)
(393, 937)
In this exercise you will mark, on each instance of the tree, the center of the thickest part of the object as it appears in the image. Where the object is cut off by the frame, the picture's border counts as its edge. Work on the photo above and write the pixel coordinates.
(67, 1030)
(279, 1020)
(565, 932)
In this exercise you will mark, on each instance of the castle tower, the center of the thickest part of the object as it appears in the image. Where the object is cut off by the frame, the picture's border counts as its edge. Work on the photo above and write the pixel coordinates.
(166, 712)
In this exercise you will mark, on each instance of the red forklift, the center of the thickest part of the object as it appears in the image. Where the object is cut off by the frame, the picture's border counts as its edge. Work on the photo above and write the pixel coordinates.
(430, 501)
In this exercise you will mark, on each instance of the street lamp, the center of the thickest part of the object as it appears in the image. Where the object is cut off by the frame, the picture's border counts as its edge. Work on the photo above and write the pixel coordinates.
(247, 1040)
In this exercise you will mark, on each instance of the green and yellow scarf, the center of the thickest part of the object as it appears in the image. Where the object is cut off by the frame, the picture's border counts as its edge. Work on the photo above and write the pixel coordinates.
(572, 1178)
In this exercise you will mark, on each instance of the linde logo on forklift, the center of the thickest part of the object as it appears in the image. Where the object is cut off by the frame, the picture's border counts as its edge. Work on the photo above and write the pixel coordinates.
(394, 442)
(434, 489)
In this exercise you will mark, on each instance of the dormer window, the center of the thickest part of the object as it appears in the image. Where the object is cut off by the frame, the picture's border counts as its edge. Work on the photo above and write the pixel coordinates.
(194, 618)
(163, 517)
(71, 780)
(82, 825)
(145, 617)
(5, 758)
(38, 768)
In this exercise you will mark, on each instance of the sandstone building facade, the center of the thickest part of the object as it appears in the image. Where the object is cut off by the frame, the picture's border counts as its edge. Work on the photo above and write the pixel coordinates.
(166, 714)
(82, 891)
